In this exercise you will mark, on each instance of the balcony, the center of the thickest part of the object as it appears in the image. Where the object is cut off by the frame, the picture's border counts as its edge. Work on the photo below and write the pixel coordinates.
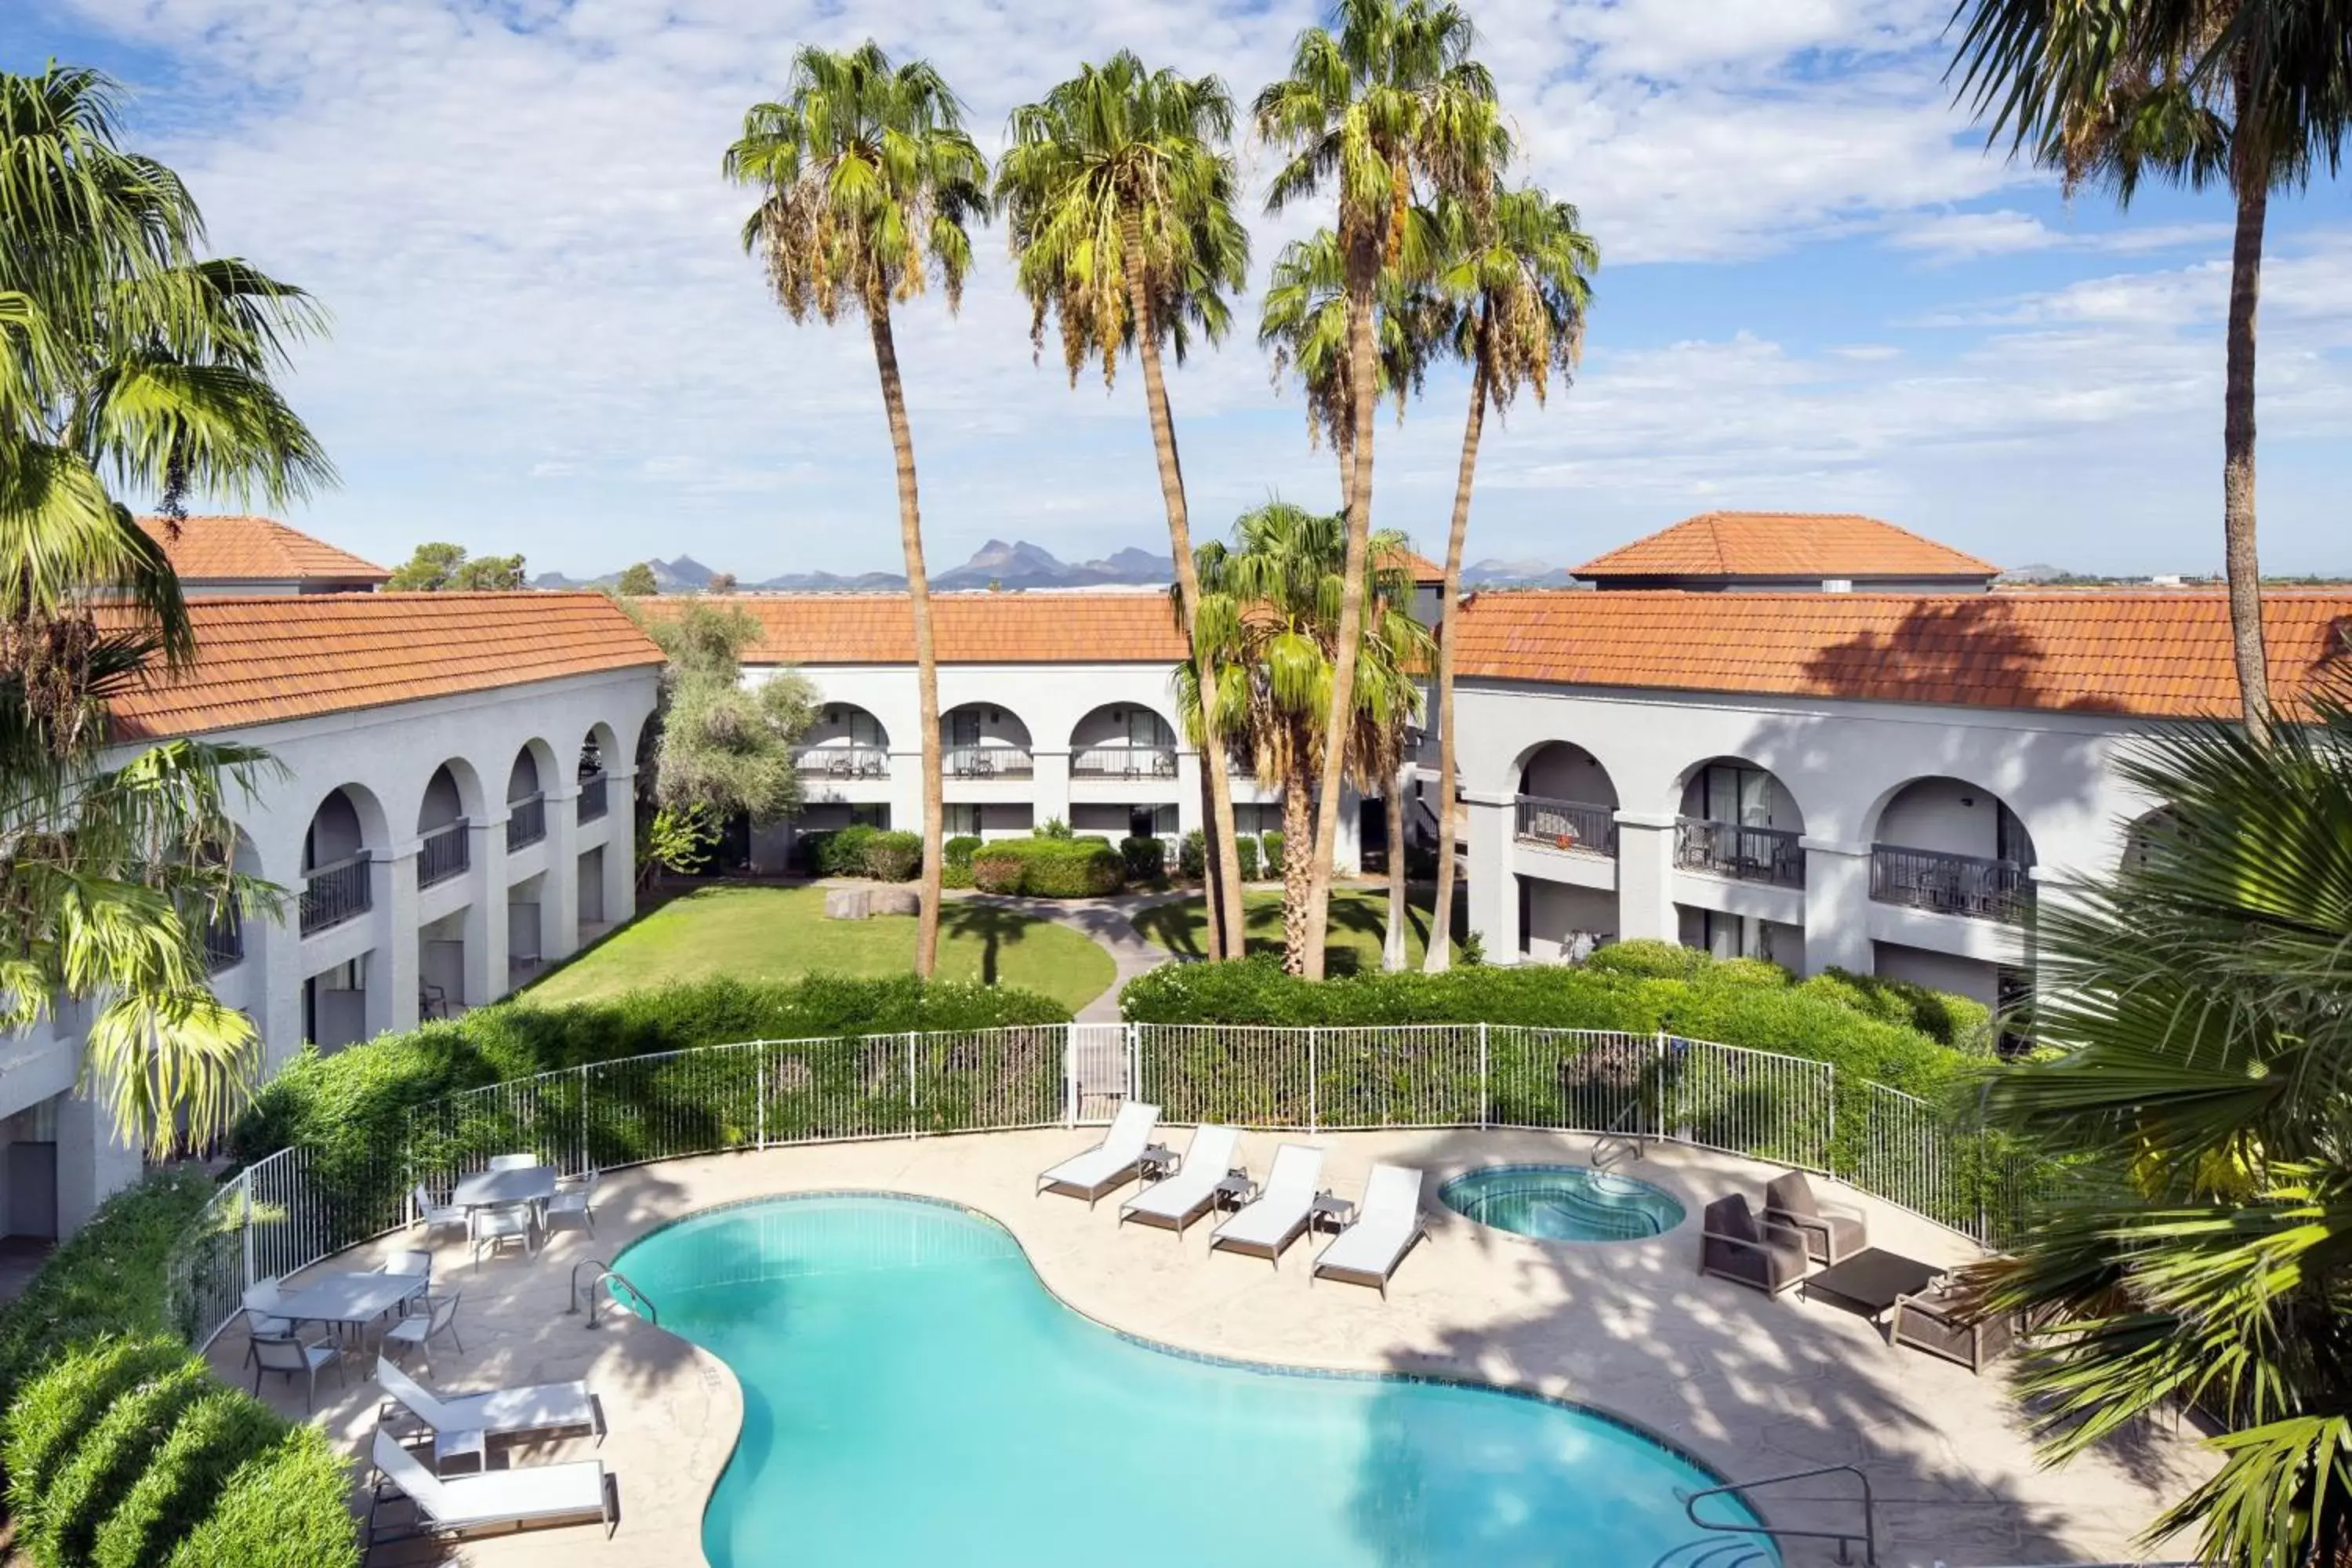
(592, 797)
(334, 893)
(1769, 854)
(224, 939)
(526, 821)
(1125, 763)
(1565, 825)
(1967, 885)
(446, 852)
(843, 763)
(988, 762)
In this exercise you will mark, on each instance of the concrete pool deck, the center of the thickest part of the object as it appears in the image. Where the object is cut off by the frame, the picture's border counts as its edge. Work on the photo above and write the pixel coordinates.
(1749, 1385)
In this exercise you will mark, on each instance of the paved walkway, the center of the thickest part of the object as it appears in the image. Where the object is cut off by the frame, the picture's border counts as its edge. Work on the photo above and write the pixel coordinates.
(1109, 923)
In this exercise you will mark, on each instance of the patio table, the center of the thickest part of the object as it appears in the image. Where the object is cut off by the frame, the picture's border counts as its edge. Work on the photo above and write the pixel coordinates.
(349, 1300)
(1871, 1281)
(498, 1189)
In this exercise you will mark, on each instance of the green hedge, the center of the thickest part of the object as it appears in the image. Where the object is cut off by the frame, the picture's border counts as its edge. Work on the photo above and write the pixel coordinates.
(1273, 843)
(1245, 853)
(959, 850)
(1144, 859)
(1045, 867)
(860, 850)
(1192, 855)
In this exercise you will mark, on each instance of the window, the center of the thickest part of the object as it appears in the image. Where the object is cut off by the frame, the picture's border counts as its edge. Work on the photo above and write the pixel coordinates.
(960, 821)
(874, 814)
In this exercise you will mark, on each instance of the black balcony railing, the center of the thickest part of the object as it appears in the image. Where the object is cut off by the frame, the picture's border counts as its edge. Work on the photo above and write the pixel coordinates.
(989, 763)
(1950, 884)
(446, 853)
(526, 821)
(844, 762)
(1124, 762)
(1771, 855)
(334, 893)
(1566, 824)
(224, 939)
(592, 797)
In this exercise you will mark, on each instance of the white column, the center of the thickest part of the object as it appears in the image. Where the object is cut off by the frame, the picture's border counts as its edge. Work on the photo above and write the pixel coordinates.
(907, 791)
(1837, 906)
(620, 845)
(1645, 876)
(559, 916)
(1494, 889)
(392, 969)
(486, 913)
(1190, 807)
(278, 1008)
(92, 1164)
(1050, 787)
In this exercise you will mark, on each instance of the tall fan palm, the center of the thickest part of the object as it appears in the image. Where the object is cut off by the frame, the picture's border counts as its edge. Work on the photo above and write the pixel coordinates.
(1270, 609)
(1303, 325)
(1519, 272)
(125, 357)
(867, 180)
(2253, 94)
(2203, 1256)
(1388, 106)
(1118, 192)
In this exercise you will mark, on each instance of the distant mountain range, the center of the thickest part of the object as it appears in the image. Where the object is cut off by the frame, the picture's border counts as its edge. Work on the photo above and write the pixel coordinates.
(1016, 565)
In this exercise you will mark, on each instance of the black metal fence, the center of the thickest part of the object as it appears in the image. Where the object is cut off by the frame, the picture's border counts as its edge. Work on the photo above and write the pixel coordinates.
(526, 821)
(1771, 854)
(336, 892)
(446, 852)
(592, 797)
(1950, 884)
(1566, 824)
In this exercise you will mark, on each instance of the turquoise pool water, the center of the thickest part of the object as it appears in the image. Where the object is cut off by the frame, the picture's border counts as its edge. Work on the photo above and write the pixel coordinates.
(1563, 1202)
(913, 1394)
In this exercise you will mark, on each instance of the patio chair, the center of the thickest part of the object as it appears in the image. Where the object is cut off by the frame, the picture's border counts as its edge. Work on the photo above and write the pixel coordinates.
(295, 1358)
(433, 1216)
(1832, 1232)
(261, 1316)
(540, 1410)
(1284, 1205)
(417, 1331)
(1733, 1245)
(1191, 1192)
(1386, 1226)
(574, 1207)
(493, 1229)
(573, 1493)
(1109, 1164)
(514, 1161)
(1932, 1322)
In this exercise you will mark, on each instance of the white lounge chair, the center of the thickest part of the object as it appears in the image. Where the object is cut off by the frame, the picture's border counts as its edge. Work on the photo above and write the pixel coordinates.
(538, 1410)
(1386, 1226)
(1109, 1164)
(1191, 1192)
(453, 1505)
(1283, 1207)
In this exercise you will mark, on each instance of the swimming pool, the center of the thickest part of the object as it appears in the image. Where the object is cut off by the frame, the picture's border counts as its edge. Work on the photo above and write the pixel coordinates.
(913, 1394)
(1562, 1203)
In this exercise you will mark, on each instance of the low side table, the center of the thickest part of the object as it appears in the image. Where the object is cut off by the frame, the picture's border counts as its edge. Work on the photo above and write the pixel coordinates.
(466, 1443)
(1331, 1212)
(1871, 1281)
(1234, 1191)
(1156, 1161)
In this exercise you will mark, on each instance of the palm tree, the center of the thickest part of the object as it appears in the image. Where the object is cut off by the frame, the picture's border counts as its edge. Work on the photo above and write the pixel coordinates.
(867, 181)
(1119, 196)
(1270, 612)
(1391, 102)
(2202, 1256)
(1519, 272)
(125, 356)
(2250, 93)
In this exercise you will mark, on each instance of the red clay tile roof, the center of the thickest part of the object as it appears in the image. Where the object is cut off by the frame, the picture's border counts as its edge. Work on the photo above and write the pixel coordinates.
(262, 660)
(1784, 544)
(2154, 655)
(966, 629)
(1424, 571)
(254, 549)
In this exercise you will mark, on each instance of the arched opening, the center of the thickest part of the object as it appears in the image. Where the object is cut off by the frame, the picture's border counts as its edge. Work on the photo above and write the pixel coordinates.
(1123, 741)
(982, 741)
(1738, 820)
(224, 924)
(527, 795)
(1952, 848)
(445, 850)
(335, 870)
(595, 747)
(846, 742)
(1567, 799)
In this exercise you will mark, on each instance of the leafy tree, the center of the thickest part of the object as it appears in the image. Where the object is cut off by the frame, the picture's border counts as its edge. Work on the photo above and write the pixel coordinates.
(1118, 192)
(867, 180)
(721, 748)
(2250, 94)
(489, 573)
(721, 583)
(125, 354)
(428, 571)
(2201, 1002)
(637, 582)
(1390, 105)
(1517, 275)
(1271, 599)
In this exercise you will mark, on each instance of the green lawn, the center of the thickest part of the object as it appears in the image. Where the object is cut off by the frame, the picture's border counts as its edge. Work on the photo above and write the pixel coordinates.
(781, 934)
(1357, 920)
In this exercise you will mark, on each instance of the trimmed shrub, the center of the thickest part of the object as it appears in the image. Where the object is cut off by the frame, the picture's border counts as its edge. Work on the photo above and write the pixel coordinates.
(1054, 829)
(959, 850)
(1145, 859)
(47, 1421)
(957, 876)
(1273, 842)
(1747, 971)
(1961, 1022)
(107, 1461)
(1650, 956)
(842, 852)
(1192, 856)
(106, 1278)
(1048, 868)
(286, 1509)
(186, 1475)
(997, 870)
(1245, 851)
(893, 856)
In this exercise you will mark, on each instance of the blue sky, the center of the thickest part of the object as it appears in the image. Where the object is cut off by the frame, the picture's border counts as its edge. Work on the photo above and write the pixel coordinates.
(1819, 291)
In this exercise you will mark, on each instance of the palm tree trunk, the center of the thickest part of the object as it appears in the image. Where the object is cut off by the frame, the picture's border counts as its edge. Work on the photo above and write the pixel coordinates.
(2251, 173)
(1338, 716)
(1392, 949)
(1225, 884)
(1440, 954)
(918, 593)
(1297, 869)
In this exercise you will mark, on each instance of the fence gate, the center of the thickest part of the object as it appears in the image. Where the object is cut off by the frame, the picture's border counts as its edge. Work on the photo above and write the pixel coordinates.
(1100, 1072)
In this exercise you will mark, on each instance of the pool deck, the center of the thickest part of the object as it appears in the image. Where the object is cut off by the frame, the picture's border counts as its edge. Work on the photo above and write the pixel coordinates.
(1749, 1385)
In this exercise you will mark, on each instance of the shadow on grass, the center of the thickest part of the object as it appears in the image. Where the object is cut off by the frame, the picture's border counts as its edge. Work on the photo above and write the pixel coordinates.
(1181, 928)
(994, 928)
